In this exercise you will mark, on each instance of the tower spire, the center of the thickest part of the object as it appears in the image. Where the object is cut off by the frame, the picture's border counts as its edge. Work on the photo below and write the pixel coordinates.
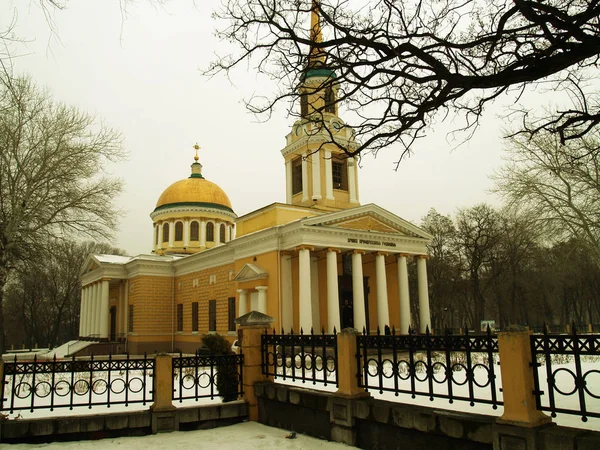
(316, 57)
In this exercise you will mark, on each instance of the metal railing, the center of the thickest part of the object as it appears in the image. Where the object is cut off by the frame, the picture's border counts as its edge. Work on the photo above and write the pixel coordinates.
(453, 367)
(208, 376)
(50, 384)
(571, 367)
(305, 357)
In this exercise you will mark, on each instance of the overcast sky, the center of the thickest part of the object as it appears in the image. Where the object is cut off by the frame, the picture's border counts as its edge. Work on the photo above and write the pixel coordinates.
(141, 76)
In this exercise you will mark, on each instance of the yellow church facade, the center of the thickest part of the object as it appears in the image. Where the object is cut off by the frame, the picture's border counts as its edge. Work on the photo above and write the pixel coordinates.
(321, 260)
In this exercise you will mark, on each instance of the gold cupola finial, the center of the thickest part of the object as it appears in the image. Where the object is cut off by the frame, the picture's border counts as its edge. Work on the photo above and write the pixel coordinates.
(196, 147)
(196, 166)
(316, 57)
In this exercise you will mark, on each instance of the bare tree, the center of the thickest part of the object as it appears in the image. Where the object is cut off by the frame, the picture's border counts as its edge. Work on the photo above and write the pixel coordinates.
(476, 239)
(52, 184)
(399, 64)
(559, 185)
(43, 301)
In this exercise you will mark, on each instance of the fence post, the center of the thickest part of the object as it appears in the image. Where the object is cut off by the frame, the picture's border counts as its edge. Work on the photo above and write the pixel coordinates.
(521, 417)
(251, 327)
(347, 367)
(164, 417)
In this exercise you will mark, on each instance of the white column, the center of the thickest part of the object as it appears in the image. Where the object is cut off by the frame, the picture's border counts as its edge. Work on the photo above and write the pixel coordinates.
(227, 233)
(120, 311)
(243, 303)
(90, 311)
(403, 294)
(160, 235)
(287, 308)
(262, 299)
(333, 301)
(81, 312)
(304, 178)
(202, 233)
(155, 237)
(89, 301)
(358, 292)
(171, 233)
(424, 318)
(104, 311)
(125, 309)
(186, 232)
(328, 175)
(288, 181)
(94, 327)
(316, 174)
(314, 294)
(217, 233)
(383, 314)
(352, 181)
(304, 288)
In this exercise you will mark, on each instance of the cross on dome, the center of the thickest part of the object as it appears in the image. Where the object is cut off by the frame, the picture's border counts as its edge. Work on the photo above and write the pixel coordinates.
(196, 147)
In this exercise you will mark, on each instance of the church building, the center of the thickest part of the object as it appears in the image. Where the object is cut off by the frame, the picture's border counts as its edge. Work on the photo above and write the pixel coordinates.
(321, 260)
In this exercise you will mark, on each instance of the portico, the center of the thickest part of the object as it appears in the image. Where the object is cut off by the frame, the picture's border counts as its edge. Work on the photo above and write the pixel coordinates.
(344, 268)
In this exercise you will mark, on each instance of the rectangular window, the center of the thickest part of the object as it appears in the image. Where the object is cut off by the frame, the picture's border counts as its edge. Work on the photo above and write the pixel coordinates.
(179, 316)
(195, 316)
(212, 315)
(231, 312)
(130, 322)
(339, 174)
(296, 176)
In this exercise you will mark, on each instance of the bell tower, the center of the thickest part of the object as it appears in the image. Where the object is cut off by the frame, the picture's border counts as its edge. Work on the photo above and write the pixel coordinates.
(318, 172)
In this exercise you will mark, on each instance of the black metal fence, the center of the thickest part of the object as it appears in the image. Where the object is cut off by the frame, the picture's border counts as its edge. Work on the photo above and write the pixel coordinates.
(50, 384)
(454, 367)
(571, 366)
(207, 376)
(305, 357)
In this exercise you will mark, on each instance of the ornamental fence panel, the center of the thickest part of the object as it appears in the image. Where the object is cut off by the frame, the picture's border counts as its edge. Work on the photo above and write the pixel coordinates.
(453, 367)
(57, 383)
(208, 376)
(571, 363)
(304, 357)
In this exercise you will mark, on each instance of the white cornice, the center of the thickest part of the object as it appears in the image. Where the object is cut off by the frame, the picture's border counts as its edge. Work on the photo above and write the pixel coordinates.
(183, 210)
(207, 259)
(321, 138)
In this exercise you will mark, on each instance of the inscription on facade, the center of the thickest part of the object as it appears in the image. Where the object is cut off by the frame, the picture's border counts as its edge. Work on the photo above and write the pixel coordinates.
(371, 242)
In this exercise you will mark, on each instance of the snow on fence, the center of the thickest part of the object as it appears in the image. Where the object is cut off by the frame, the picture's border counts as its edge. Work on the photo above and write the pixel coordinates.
(303, 357)
(207, 376)
(567, 379)
(50, 384)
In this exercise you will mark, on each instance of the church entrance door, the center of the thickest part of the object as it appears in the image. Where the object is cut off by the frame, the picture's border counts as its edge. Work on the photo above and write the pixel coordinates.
(347, 300)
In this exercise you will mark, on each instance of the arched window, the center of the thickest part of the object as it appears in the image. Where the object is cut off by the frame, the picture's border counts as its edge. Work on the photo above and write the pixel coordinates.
(222, 233)
(210, 232)
(179, 231)
(165, 232)
(194, 231)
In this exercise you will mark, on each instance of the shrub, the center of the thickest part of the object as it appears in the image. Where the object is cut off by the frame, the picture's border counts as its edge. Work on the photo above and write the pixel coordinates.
(227, 376)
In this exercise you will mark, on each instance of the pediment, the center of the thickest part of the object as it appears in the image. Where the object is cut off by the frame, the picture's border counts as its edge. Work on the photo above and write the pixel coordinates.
(370, 218)
(251, 272)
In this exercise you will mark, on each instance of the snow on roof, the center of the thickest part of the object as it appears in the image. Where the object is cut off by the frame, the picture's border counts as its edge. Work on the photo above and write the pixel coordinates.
(113, 259)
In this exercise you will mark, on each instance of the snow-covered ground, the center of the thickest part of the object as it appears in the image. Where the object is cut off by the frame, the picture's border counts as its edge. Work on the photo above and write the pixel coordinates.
(243, 436)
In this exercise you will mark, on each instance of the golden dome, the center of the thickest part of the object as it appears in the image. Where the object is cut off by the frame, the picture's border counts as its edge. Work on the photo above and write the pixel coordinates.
(194, 191)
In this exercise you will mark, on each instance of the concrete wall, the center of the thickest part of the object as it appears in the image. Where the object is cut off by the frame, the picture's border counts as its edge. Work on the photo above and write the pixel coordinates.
(133, 423)
(375, 424)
